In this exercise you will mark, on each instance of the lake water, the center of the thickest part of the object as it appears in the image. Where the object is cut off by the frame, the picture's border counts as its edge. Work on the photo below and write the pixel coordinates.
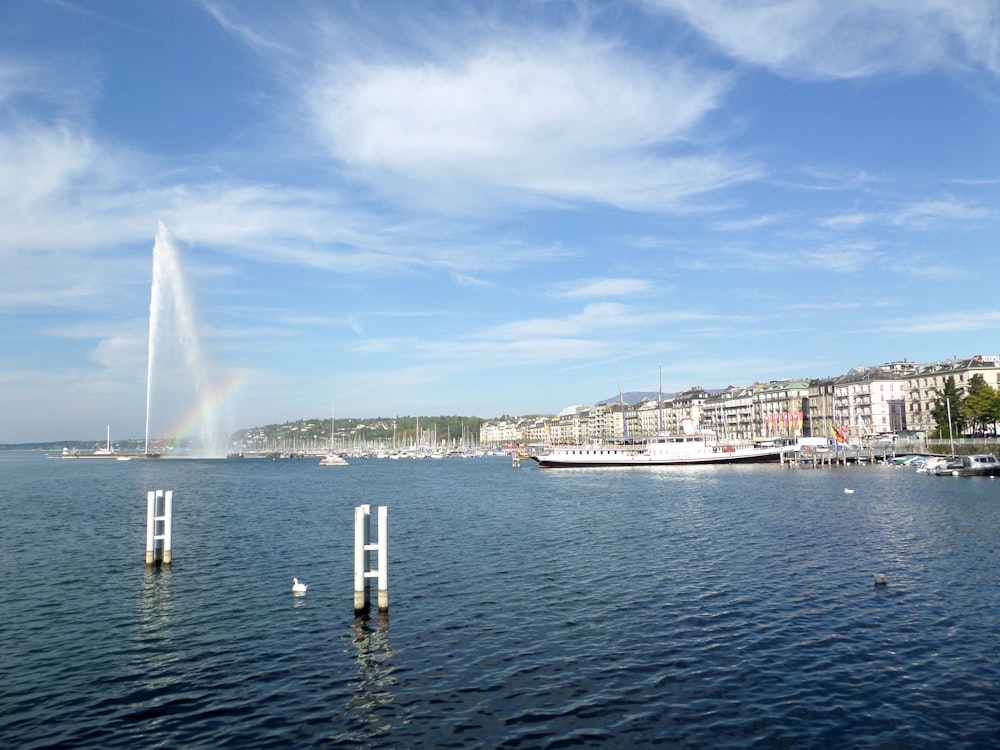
(699, 607)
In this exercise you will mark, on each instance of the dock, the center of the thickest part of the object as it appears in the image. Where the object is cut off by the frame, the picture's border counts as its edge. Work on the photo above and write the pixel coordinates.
(808, 457)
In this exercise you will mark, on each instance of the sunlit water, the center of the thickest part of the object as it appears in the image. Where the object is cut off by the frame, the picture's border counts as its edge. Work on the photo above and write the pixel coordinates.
(689, 607)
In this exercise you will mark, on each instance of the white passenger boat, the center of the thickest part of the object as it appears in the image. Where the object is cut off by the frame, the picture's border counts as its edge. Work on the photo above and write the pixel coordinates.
(662, 450)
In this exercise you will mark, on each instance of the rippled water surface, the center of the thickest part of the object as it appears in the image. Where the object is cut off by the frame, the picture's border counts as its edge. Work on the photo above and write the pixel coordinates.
(689, 607)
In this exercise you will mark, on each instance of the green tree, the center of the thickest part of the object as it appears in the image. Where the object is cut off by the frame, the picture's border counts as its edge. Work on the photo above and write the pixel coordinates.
(948, 401)
(979, 408)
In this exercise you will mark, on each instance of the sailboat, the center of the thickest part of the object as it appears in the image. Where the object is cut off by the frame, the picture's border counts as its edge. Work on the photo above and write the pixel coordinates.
(332, 459)
(107, 450)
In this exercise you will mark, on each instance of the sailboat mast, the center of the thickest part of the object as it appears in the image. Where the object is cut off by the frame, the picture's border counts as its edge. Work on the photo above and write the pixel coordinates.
(659, 403)
(621, 400)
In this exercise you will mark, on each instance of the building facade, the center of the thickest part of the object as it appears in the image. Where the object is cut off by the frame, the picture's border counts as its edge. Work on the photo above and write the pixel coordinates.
(889, 398)
(925, 384)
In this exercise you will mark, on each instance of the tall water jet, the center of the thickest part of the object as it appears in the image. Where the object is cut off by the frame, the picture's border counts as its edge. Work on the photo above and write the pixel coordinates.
(172, 324)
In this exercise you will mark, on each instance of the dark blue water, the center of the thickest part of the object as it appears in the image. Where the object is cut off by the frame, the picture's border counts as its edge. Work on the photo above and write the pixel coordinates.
(690, 607)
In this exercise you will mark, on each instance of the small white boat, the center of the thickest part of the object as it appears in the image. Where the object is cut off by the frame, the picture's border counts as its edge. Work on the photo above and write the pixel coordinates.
(333, 460)
(931, 465)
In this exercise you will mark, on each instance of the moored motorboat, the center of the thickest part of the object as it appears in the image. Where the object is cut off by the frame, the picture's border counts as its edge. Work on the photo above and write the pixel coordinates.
(976, 465)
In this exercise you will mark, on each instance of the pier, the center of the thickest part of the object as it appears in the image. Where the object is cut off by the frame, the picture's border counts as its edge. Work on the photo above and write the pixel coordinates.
(809, 456)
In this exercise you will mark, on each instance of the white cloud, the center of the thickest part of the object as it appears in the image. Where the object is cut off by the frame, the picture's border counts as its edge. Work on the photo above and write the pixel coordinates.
(947, 211)
(39, 163)
(602, 288)
(533, 117)
(817, 39)
(848, 221)
(917, 216)
(596, 319)
(952, 322)
(748, 224)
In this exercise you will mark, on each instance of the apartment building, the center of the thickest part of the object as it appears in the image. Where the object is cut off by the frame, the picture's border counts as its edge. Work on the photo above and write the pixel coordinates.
(732, 414)
(871, 400)
(924, 385)
(782, 405)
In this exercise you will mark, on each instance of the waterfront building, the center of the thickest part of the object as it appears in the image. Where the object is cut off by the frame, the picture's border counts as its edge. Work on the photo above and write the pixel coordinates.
(869, 401)
(684, 405)
(500, 432)
(648, 417)
(819, 419)
(539, 430)
(925, 384)
(608, 423)
(571, 426)
(732, 414)
(889, 398)
(781, 405)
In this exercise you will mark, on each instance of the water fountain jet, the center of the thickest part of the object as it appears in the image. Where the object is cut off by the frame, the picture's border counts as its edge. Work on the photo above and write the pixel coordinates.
(172, 323)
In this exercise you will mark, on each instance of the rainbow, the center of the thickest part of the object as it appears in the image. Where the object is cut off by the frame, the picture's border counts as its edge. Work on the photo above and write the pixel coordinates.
(205, 415)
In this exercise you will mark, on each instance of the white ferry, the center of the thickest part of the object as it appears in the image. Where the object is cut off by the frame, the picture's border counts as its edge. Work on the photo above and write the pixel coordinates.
(662, 450)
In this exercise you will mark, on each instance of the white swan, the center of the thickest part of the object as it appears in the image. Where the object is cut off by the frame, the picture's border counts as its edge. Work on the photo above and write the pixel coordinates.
(848, 491)
(298, 588)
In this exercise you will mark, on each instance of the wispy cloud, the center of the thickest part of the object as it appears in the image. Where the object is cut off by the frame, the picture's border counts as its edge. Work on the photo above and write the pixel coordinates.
(598, 319)
(952, 322)
(526, 116)
(615, 287)
(815, 39)
(919, 215)
(748, 223)
(844, 258)
(946, 211)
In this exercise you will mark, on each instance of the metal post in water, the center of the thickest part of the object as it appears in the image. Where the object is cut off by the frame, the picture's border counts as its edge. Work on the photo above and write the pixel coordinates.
(150, 527)
(168, 524)
(362, 514)
(383, 558)
(159, 526)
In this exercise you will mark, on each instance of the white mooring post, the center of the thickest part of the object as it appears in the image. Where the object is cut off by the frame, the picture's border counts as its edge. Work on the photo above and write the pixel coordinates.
(362, 559)
(159, 508)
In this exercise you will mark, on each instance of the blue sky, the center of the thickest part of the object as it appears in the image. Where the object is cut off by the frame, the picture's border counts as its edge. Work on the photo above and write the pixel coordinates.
(488, 208)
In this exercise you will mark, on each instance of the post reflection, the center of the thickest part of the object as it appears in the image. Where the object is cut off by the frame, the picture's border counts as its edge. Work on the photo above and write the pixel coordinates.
(372, 691)
(156, 652)
(155, 603)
